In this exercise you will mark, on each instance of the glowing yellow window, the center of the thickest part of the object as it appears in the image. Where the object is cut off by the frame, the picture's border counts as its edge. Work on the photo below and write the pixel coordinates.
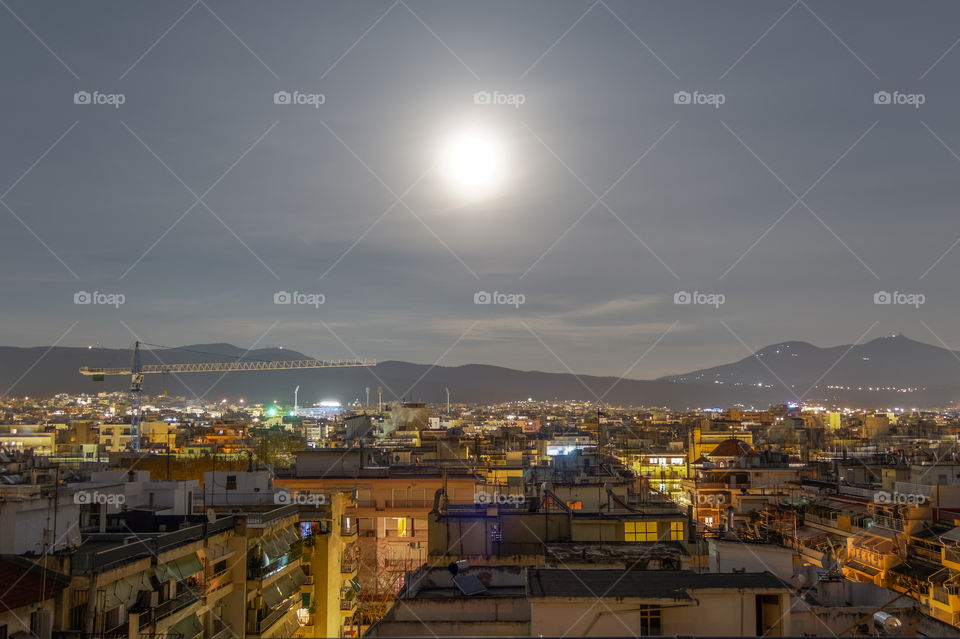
(640, 531)
(402, 527)
(676, 531)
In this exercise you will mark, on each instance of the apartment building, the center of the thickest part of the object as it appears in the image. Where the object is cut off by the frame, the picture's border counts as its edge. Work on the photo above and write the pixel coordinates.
(521, 601)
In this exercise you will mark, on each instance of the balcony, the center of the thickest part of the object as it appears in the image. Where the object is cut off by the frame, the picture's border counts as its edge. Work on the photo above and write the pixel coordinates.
(272, 618)
(952, 556)
(348, 605)
(176, 604)
(409, 503)
(893, 523)
(349, 532)
(349, 566)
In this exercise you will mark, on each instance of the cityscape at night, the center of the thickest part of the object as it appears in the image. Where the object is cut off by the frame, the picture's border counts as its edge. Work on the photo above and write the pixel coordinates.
(479, 318)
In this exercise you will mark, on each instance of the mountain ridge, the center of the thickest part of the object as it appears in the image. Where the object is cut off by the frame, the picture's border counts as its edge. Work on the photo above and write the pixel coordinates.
(883, 372)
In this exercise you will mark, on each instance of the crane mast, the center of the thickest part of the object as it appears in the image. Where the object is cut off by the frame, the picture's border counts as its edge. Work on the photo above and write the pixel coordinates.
(137, 370)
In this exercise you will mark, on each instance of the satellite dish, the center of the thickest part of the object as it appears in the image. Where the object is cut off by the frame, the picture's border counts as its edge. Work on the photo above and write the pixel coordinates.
(211, 515)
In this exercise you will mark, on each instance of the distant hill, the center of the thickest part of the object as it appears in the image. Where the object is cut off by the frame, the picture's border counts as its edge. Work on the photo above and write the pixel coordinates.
(892, 363)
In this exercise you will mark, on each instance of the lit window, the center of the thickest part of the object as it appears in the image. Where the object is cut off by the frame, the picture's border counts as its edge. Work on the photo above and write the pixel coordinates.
(651, 621)
(575, 505)
(676, 531)
(402, 527)
(640, 531)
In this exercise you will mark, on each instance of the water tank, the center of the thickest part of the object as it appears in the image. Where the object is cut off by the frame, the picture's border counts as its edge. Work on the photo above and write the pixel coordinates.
(887, 624)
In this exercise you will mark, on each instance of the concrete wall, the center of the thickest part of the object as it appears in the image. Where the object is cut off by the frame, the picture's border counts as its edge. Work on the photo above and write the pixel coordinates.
(726, 613)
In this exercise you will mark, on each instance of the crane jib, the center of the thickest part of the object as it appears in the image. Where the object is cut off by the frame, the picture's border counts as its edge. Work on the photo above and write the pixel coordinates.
(221, 367)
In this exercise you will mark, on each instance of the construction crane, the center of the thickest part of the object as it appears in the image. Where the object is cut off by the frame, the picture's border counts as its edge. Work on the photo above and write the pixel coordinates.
(136, 371)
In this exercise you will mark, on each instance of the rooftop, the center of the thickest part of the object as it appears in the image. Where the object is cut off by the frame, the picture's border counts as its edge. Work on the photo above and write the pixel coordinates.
(659, 584)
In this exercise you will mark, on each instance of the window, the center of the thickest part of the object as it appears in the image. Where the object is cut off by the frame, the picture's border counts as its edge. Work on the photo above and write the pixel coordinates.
(640, 531)
(402, 527)
(575, 505)
(231, 482)
(676, 531)
(651, 621)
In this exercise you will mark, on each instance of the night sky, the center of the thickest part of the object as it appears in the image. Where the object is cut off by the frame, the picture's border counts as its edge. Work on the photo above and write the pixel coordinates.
(786, 161)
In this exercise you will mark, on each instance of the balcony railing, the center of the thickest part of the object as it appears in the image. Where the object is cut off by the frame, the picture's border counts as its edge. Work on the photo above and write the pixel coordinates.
(348, 604)
(179, 602)
(349, 530)
(272, 618)
(893, 523)
(348, 566)
(409, 503)
(952, 555)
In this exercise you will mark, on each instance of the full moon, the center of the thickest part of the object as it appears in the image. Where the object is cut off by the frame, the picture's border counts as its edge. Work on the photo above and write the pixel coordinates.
(472, 162)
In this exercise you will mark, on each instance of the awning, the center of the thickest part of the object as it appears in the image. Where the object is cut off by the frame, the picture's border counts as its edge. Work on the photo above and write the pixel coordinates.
(141, 582)
(281, 546)
(299, 577)
(274, 547)
(286, 586)
(287, 534)
(920, 571)
(272, 596)
(111, 600)
(185, 566)
(863, 568)
(188, 627)
(124, 591)
(953, 534)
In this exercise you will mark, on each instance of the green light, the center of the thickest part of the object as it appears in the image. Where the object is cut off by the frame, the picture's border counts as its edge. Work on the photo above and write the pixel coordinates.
(272, 412)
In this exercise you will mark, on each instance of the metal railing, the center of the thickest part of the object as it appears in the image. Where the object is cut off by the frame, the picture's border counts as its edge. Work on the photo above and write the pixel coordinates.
(147, 546)
(179, 602)
(408, 503)
(259, 520)
(272, 618)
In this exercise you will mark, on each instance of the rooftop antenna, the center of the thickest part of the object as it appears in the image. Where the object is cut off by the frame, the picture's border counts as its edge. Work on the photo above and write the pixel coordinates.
(379, 400)
(368, 397)
(296, 392)
(448, 400)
